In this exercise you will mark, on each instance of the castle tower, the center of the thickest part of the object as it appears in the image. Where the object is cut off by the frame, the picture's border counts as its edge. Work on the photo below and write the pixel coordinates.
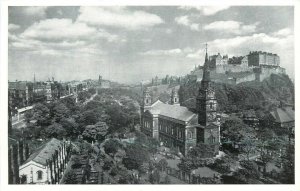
(209, 131)
(147, 101)
(174, 97)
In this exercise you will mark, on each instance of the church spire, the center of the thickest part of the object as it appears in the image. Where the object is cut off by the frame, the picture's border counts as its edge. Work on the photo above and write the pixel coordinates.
(206, 72)
(206, 57)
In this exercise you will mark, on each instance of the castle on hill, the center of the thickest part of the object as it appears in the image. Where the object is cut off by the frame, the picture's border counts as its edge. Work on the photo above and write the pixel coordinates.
(257, 65)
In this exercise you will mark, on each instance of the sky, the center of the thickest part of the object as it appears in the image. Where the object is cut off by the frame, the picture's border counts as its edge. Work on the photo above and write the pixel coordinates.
(132, 44)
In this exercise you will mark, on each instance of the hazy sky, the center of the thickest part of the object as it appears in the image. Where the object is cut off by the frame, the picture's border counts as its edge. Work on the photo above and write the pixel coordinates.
(130, 44)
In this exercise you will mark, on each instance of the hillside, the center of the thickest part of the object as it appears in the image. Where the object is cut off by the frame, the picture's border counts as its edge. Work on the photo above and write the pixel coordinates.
(248, 95)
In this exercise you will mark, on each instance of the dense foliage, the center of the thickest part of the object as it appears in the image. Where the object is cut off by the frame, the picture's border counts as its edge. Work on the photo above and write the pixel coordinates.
(248, 95)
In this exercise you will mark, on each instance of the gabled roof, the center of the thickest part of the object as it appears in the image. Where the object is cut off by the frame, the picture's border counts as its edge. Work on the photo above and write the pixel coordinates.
(45, 152)
(283, 115)
(173, 111)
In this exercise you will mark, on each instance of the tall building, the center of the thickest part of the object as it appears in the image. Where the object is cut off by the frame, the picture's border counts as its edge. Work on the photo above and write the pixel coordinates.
(20, 94)
(209, 130)
(176, 126)
(258, 58)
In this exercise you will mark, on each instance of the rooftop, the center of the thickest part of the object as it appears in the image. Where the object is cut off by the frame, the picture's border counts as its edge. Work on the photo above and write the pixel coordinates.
(45, 152)
(283, 115)
(173, 111)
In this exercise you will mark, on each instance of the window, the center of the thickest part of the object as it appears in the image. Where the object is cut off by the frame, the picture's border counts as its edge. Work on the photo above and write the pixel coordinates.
(175, 99)
(172, 131)
(189, 135)
(39, 175)
(210, 105)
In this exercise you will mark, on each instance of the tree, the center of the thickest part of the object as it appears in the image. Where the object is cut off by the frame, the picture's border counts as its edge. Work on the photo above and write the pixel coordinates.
(102, 130)
(41, 114)
(144, 168)
(167, 180)
(95, 132)
(112, 146)
(137, 155)
(186, 165)
(248, 146)
(59, 111)
(288, 160)
(55, 130)
(71, 127)
(28, 116)
(201, 151)
(70, 177)
(231, 129)
(107, 164)
(249, 171)
(266, 136)
(69, 102)
(88, 118)
(162, 164)
(154, 178)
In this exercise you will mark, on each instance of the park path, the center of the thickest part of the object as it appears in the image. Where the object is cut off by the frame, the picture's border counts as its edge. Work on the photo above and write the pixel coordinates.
(90, 99)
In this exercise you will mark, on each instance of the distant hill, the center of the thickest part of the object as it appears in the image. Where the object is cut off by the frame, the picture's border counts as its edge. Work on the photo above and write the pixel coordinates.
(263, 95)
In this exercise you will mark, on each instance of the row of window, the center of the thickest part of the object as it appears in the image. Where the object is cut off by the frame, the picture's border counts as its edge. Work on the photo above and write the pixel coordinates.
(211, 139)
(169, 142)
(169, 129)
(147, 125)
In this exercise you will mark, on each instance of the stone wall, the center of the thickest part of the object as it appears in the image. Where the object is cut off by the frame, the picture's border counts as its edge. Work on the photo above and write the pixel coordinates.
(222, 69)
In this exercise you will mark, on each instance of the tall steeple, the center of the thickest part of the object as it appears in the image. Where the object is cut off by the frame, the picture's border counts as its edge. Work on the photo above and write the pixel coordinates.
(209, 130)
(206, 100)
(206, 71)
(33, 77)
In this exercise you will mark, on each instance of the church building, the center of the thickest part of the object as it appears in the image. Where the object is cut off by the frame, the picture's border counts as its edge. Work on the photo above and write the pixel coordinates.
(178, 127)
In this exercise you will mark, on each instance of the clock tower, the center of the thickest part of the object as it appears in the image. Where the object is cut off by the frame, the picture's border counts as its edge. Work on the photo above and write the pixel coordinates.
(209, 127)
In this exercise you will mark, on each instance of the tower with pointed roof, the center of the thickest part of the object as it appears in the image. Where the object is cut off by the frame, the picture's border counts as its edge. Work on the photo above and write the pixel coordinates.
(208, 132)
(174, 97)
(147, 101)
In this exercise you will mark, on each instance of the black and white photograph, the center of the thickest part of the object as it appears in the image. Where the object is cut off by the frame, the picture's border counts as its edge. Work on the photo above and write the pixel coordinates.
(150, 94)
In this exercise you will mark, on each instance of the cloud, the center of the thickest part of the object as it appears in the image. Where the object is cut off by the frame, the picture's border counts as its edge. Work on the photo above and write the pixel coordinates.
(169, 52)
(186, 21)
(207, 10)
(119, 17)
(58, 29)
(37, 11)
(62, 37)
(242, 45)
(13, 27)
(230, 27)
(283, 32)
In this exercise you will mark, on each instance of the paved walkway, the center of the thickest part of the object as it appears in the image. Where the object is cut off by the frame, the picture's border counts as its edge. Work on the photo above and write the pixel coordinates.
(90, 99)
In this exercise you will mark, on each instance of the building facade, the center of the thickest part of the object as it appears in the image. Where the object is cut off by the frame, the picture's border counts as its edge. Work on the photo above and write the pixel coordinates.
(258, 58)
(20, 94)
(46, 165)
(175, 126)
